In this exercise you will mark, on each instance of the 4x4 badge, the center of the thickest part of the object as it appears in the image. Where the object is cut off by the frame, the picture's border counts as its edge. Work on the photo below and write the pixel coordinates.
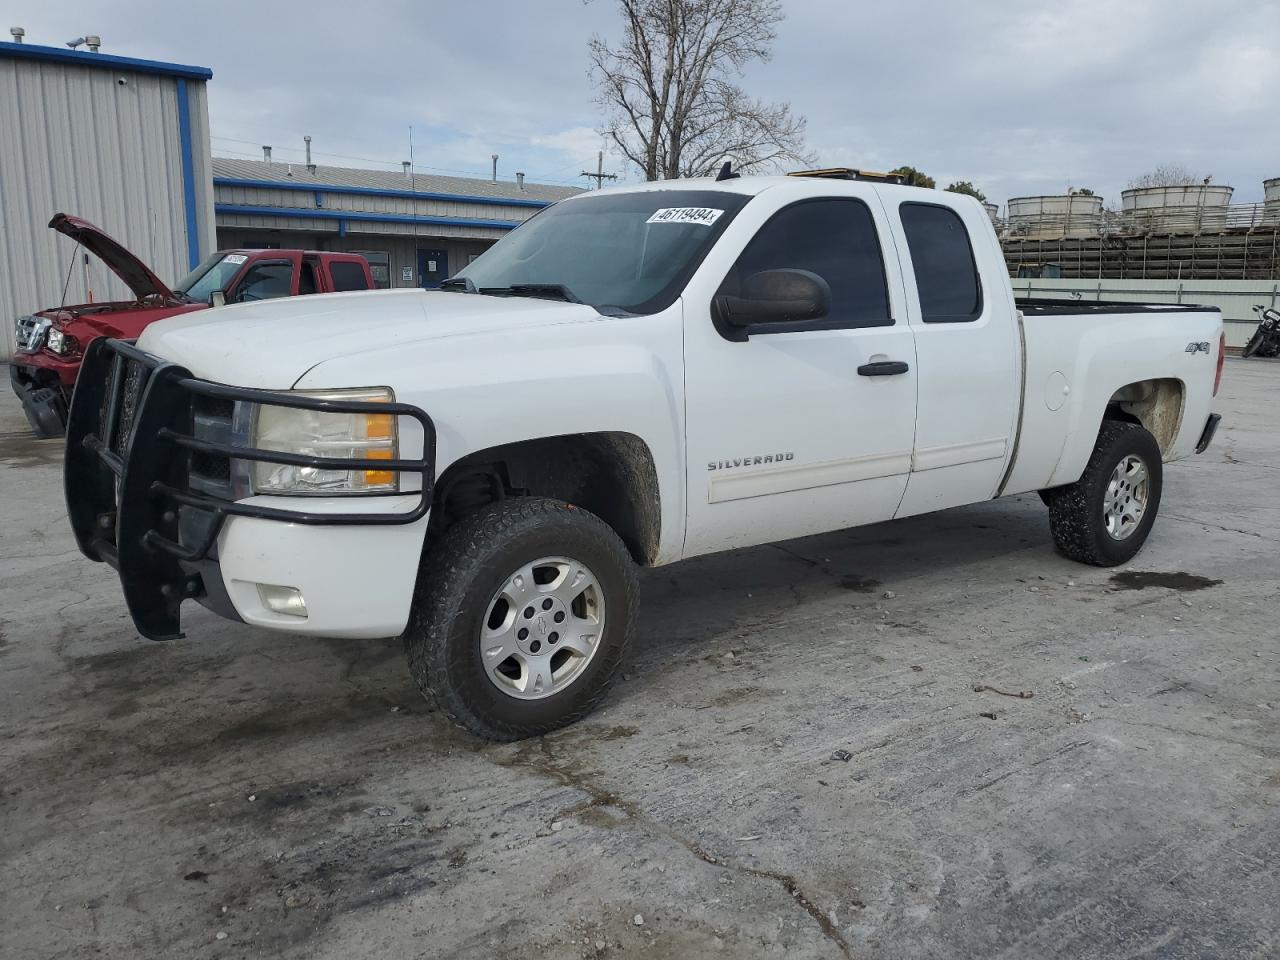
(1198, 347)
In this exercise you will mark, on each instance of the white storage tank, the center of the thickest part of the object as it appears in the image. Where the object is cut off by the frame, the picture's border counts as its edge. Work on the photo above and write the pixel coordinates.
(1189, 208)
(1049, 217)
(1271, 200)
(993, 211)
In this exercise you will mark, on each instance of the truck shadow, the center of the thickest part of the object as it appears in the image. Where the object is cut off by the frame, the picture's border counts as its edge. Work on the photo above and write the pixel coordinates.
(707, 596)
(240, 692)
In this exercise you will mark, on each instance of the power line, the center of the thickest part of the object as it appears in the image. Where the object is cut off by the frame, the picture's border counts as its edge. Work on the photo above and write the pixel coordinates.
(599, 176)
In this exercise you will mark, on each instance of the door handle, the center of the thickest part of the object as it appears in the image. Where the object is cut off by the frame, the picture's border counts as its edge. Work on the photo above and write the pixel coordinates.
(883, 368)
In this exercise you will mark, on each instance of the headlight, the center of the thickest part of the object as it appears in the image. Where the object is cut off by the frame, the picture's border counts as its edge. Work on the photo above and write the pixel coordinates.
(61, 343)
(368, 436)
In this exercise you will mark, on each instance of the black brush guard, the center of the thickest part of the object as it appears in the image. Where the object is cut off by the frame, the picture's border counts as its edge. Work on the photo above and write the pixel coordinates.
(130, 438)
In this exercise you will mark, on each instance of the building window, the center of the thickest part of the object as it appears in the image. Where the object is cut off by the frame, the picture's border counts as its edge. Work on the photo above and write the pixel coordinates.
(379, 266)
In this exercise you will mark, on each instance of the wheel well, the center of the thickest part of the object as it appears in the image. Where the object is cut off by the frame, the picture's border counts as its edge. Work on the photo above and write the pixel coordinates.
(610, 474)
(1153, 404)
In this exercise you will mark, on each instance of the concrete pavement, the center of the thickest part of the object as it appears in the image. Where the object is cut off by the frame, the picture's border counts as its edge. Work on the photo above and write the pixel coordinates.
(239, 794)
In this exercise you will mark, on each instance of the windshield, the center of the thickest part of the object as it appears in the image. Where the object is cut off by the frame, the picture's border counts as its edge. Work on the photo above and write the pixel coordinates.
(214, 274)
(629, 252)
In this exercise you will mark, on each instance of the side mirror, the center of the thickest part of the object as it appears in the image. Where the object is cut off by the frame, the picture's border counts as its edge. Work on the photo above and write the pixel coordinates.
(218, 298)
(774, 296)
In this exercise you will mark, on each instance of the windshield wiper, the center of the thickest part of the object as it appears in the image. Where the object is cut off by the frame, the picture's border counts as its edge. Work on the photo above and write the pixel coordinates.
(462, 284)
(554, 291)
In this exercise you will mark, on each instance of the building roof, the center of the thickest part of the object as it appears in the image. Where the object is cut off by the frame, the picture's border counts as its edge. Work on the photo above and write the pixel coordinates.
(104, 61)
(231, 171)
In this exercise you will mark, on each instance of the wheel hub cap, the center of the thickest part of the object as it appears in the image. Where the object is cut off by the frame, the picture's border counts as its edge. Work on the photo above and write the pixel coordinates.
(1125, 501)
(542, 628)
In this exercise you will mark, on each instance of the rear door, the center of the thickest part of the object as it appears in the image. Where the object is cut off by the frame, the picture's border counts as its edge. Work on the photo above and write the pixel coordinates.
(968, 354)
(785, 436)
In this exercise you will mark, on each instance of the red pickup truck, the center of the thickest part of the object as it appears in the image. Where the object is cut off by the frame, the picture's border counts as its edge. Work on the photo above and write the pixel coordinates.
(51, 343)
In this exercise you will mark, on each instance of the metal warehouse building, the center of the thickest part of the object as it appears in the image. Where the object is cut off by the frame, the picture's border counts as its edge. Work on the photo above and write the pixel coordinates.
(415, 229)
(121, 142)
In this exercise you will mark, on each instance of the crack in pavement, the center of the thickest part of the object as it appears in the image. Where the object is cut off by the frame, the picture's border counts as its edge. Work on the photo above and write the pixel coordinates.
(546, 763)
(1218, 526)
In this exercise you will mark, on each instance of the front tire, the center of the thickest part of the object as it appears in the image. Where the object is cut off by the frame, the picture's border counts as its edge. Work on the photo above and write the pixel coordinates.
(1103, 519)
(1255, 342)
(521, 617)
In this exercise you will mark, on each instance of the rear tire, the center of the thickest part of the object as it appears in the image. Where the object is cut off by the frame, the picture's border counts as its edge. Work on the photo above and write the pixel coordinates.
(1103, 519)
(475, 650)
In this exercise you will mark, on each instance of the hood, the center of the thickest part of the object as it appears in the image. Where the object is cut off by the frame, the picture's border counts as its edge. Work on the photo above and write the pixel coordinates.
(136, 274)
(271, 344)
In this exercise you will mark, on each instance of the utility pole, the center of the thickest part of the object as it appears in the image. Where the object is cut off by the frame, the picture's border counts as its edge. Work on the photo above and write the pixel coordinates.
(600, 176)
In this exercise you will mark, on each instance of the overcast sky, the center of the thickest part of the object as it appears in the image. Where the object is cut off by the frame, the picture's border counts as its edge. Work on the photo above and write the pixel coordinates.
(1019, 97)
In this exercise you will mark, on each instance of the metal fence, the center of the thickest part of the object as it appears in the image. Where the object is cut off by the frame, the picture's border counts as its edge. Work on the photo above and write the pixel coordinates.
(1181, 219)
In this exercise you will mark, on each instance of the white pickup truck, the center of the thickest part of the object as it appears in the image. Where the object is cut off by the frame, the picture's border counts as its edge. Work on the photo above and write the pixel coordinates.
(633, 377)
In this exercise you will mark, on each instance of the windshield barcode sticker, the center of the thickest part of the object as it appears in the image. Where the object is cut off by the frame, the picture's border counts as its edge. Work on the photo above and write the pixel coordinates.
(705, 216)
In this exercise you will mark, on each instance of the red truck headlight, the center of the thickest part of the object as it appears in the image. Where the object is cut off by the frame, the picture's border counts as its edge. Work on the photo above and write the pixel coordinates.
(63, 344)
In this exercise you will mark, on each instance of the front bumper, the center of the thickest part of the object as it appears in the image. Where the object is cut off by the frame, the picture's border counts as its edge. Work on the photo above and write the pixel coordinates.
(131, 441)
(43, 401)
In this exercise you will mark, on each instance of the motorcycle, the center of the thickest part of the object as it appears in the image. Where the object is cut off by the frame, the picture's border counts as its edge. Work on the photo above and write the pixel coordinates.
(1265, 341)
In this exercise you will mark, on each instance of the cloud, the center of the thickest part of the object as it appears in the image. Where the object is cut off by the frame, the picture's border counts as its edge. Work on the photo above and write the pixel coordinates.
(1018, 98)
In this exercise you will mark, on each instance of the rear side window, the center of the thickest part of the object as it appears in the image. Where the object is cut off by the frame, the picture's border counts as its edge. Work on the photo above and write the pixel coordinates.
(348, 276)
(946, 274)
(834, 238)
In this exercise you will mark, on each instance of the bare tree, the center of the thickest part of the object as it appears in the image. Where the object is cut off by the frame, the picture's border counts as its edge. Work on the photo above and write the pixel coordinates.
(673, 106)
(1168, 175)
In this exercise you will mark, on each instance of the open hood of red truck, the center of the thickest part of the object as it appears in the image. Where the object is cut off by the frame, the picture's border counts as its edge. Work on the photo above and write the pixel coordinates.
(136, 274)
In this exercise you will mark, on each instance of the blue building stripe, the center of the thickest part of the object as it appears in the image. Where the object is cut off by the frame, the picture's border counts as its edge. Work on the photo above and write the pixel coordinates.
(84, 58)
(320, 188)
(188, 175)
(344, 215)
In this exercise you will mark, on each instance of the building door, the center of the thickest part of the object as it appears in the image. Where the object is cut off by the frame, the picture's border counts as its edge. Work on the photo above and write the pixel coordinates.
(433, 267)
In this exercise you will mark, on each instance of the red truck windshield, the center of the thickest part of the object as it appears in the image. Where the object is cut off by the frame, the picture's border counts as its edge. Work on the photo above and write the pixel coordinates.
(213, 274)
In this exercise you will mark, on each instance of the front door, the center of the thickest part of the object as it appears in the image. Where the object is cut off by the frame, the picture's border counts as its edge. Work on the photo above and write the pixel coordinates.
(433, 267)
(785, 436)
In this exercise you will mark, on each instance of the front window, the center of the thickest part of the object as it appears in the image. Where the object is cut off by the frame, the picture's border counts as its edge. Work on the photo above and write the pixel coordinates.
(624, 252)
(213, 274)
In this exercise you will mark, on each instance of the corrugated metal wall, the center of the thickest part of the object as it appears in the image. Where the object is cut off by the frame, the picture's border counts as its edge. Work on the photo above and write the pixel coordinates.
(366, 203)
(75, 140)
(1235, 298)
